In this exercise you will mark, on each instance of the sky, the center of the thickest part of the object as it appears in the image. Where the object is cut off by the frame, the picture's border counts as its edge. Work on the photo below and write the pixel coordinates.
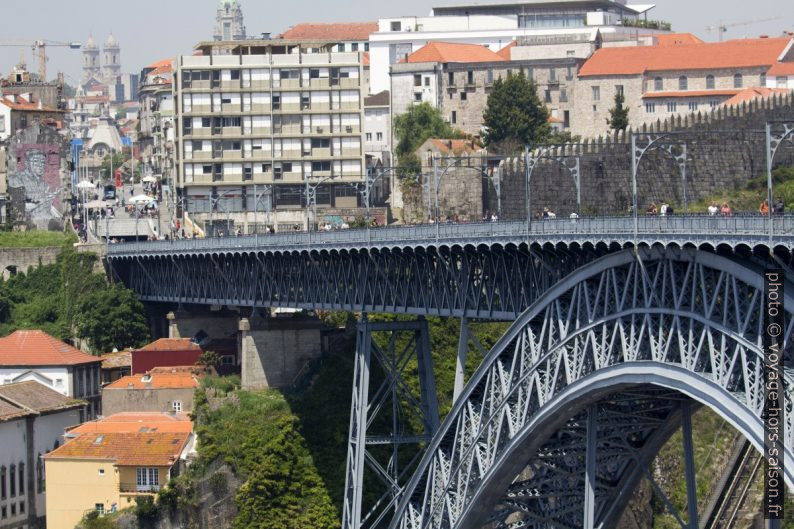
(149, 30)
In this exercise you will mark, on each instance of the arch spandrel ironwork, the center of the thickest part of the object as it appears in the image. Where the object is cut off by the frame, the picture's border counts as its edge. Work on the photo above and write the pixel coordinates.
(682, 320)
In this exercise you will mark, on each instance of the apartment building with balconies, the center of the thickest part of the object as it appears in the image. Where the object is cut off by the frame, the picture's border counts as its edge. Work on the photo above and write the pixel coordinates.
(265, 129)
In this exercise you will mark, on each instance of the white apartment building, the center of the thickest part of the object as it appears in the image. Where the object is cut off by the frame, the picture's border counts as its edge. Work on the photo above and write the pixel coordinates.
(496, 23)
(32, 421)
(156, 117)
(268, 127)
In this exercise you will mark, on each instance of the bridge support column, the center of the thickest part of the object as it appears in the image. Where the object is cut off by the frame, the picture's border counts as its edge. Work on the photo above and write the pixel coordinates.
(590, 468)
(464, 338)
(689, 464)
(382, 419)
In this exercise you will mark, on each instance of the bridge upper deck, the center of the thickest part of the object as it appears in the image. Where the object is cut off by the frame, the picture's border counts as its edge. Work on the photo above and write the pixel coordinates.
(748, 230)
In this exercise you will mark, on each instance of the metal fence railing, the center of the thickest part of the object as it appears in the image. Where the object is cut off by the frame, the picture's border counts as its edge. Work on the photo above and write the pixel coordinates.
(702, 226)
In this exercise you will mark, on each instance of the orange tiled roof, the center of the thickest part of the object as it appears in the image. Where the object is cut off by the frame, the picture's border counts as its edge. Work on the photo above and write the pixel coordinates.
(171, 344)
(505, 52)
(158, 449)
(782, 68)
(453, 52)
(692, 93)
(637, 60)
(454, 146)
(18, 103)
(331, 31)
(160, 64)
(37, 348)
(130, 421)
(119, 359)
(748, 94)
(676, 39)
(155, 381)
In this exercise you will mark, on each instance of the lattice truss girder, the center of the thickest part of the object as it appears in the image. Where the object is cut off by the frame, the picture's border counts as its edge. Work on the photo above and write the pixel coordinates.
(488, 282)
(680, 309)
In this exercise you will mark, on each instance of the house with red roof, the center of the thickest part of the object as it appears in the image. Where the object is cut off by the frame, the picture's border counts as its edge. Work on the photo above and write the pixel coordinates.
(165, 352)
(37, 356)
(457, 79)
(349, 36)
(161, 390)
(17, 111)
(673, 78)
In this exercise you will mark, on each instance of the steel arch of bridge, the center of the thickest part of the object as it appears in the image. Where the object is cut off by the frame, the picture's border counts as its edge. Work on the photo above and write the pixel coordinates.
(643, 321)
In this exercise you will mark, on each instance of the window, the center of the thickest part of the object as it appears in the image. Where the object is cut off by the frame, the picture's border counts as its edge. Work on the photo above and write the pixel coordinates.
(713, 103)
(206, 169)
(369, 136)
(22, 507)
(563, 95)
(305, 102)
(177, 404)
(287, 166)
(454, 117)
(650, 108)
(276, 102)
(470, 77)
(417, 80)
(569, 74)
(738, 81)
(693, 105)
(354, 46)
(235, 75)
(100, 508)
(4, 512)
(341, 47)
(683, 83)
(321, 166)
(427, 80)
(39, 475)
(366, 46)
(463, 96)
(2, 123)
(671, 106)
(147, 478)
(324, 143)
(12, 480)
(277, 171)
(763, 80)
(379, 136)
(547, 96)
(216, 79)
(489, 76)
(781, 81)
(396, 26)
(101, 471)
(710, 82)
(596, 93)
(552, 75)
(563, 20)
(265, 167)
(451, 78)
(658, 84)
(3, 491)
(418, 97)
(619, 89)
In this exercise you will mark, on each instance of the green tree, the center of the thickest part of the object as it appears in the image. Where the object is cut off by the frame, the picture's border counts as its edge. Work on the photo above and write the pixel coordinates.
(514, 115)
(111, 318)
(209, 359)
(118, 159)
(618, 115)
(414, 127)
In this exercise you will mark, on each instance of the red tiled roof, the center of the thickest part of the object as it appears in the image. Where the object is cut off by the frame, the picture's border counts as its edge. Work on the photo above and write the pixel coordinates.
(692, 93)
(331, 31)
(171, 344)
(37, 348)
(160, 64)
(155, 381)
(24, 398)
(505, 52)
(453, 52)
(637, 60)
(131, 421)
(125, 448)
(748, 94)
(676, 39)
(782, 68)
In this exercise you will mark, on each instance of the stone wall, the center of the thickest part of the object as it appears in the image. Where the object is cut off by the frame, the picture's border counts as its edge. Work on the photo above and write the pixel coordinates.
(725, 148)
(117, 400)
(274, 351)
(14, 260)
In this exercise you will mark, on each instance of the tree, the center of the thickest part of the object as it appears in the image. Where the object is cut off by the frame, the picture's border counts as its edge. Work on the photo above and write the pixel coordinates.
(414, 127)
(111, 318)
(209, 359)
(118, 160)
(514, 115)
(618, 115)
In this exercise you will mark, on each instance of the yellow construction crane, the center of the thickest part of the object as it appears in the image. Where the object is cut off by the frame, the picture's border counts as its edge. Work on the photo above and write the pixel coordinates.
(39, 48)
(722, 28)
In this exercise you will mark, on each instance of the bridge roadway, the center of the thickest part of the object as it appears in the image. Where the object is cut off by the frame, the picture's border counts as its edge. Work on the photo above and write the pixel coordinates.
(491, 270)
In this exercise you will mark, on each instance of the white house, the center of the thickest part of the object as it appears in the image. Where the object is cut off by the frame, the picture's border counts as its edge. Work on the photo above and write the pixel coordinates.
(32, 420)
(496, 24)
(37, 356)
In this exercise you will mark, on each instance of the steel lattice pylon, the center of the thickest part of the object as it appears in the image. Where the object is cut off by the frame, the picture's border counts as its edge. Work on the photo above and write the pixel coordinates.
(621, 329)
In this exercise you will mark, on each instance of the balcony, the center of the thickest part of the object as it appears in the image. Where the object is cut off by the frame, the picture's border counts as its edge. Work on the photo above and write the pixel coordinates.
(134, 488)
(647, 24)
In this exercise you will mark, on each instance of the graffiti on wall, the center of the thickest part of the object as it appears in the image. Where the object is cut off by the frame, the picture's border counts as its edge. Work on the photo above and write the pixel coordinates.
(38, 172)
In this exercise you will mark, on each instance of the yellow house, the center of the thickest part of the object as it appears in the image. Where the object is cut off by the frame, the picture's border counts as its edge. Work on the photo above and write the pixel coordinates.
(105, 470)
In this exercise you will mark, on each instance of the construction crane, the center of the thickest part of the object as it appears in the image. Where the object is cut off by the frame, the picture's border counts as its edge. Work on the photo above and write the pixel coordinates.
(39, 48)
(722, 28)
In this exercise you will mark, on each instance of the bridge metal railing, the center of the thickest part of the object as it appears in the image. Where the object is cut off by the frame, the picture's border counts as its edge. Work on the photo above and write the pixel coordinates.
(750, 226)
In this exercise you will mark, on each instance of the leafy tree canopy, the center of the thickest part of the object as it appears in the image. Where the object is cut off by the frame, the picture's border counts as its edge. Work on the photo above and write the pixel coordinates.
(419, 123)
(514, 115)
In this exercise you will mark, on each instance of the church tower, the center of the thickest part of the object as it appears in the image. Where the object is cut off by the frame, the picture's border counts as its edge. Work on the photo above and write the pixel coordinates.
(229, 21)
(111, 60)
(91, 67)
